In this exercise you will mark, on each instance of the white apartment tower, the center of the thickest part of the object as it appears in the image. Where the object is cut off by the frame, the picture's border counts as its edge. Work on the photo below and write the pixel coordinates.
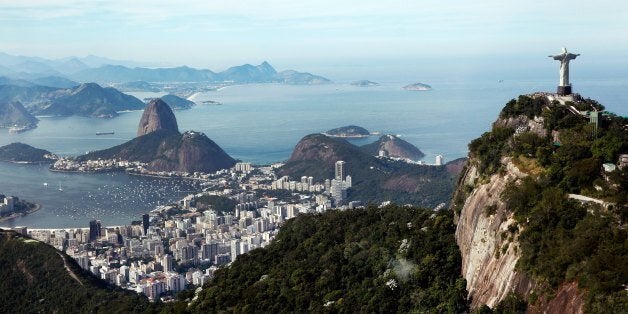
(439, 160)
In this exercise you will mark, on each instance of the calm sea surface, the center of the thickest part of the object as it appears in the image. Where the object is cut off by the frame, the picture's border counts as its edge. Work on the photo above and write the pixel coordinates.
(261, 124)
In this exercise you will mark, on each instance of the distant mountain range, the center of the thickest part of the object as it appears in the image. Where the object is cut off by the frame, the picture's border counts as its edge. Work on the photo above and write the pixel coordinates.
(103, 70)
(243, 74)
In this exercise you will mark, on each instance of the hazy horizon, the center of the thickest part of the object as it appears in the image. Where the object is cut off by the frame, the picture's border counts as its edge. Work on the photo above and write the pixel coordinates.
(343, 41)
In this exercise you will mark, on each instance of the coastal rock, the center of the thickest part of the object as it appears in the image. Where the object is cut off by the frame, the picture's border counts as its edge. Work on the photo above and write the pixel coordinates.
(393, 146)
(157, 116)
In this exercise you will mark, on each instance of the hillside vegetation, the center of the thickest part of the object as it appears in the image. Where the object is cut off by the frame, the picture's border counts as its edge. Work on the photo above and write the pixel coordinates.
(392, 259)
(35, 280)
(20, 152)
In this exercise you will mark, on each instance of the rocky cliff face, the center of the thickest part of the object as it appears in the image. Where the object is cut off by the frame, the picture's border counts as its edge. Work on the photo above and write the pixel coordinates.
(484, 233)
(488, 268)
(157, 116)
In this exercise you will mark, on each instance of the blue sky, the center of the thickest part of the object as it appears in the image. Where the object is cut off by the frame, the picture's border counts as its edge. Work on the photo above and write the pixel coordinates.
(431, 35)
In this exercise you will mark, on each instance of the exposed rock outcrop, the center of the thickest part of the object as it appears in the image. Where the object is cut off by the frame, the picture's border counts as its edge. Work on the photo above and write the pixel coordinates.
(160, 145)
(157, 116)
(487, 232)
(489, 271)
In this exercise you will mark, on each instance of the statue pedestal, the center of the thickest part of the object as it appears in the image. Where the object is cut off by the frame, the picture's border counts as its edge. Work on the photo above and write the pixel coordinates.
(564, 90)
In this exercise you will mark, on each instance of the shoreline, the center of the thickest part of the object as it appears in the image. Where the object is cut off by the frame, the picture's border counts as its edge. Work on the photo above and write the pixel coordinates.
(85, 171)
(27, 162)
(160, 177)
(22, 214)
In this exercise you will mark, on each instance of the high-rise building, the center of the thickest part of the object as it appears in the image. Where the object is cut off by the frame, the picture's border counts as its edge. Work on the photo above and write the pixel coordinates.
(235, 249)
(167, 262)
(145, 223)
(340, 170)
(94, 230)
(439, 160)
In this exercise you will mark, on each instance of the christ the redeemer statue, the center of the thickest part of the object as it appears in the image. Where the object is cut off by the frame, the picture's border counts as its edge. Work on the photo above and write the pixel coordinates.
(564, 87)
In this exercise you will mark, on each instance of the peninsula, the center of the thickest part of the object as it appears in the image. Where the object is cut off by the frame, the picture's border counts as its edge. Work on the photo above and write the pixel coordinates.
(23, 153)
(12, 207)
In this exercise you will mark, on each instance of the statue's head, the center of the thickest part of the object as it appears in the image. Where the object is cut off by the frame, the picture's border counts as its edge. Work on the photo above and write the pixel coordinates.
(564, 50)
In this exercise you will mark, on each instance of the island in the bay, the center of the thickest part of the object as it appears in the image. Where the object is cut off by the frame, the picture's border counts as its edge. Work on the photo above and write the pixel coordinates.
(349, 131)
(418, 87)
(364, 83)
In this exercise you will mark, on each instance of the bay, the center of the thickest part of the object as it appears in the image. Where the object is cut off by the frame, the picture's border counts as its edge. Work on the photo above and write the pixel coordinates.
(261, 123)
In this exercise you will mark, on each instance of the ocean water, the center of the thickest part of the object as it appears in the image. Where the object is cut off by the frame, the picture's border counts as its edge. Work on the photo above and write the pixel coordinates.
(261, 123)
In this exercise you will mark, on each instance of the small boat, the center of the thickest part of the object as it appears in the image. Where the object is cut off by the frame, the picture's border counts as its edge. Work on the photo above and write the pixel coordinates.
(60, 188)
(105, 133)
